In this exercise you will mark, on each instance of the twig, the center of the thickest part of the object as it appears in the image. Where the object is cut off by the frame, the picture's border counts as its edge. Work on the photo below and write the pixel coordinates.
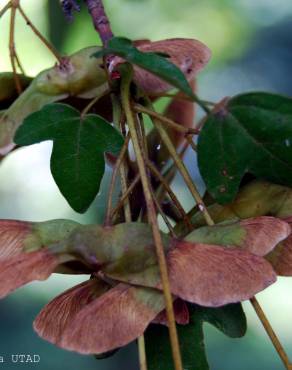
(171, 171)
(94, 101)
(189, 139)
(120, 125)
(168, 121)
(39, 35)
(12, 51)
(125, 195)
(100, 20)
(5, 8)
(182, 169)
(19, 63)
(113, 180)
(125, 203)
(125, 90)
(269, 330)
(179, 97)
(173, 197)
(143, 145)
(163, 215)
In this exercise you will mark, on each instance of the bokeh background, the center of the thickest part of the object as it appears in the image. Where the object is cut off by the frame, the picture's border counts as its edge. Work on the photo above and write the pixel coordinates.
(251, 43)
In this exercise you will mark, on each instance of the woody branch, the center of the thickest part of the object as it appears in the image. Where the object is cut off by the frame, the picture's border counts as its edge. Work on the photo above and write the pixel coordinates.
(100, 20)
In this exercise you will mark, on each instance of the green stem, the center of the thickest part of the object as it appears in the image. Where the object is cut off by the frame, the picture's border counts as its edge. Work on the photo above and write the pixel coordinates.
(172, 124)
(125, 91)
(142, 353)
(202, 104)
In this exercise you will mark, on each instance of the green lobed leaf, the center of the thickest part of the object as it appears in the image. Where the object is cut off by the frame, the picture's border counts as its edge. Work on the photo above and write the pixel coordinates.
(191, 338)
(251, 133)
(229, 319)
(77, 161)
(150, 61)
(81, 76)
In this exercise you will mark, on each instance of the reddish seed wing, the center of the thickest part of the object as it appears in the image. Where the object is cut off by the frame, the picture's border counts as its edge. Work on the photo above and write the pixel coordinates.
(281, 256)
(181, 312)
(60, 312)
(112, 320)
(210, 275)
(189, 55)
(24, 268)
(263, 233)
(24, 256)
(12, 235)
(257, 235)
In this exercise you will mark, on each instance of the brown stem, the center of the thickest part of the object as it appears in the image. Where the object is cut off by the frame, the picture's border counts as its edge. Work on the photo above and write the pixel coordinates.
(163, 215)
(125, 203)
(189, 139)
(125, 91)
(4, 10)
(100, 20)
(269, 330)
(39, 35)
(113, 180)
(173, 197)
(12, 51)
(19, 63)
(124, 186)
(174, 125)
(169, 174)
(179, 97)
(125, 195)
(182, 169)
(94, 101)
(143, 144)
(119, 123)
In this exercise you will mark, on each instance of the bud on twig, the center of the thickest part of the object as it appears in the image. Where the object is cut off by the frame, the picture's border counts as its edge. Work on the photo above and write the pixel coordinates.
(69, 6)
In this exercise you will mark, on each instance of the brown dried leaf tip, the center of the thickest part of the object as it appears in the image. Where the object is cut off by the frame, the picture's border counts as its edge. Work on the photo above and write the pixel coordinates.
(124, 294)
